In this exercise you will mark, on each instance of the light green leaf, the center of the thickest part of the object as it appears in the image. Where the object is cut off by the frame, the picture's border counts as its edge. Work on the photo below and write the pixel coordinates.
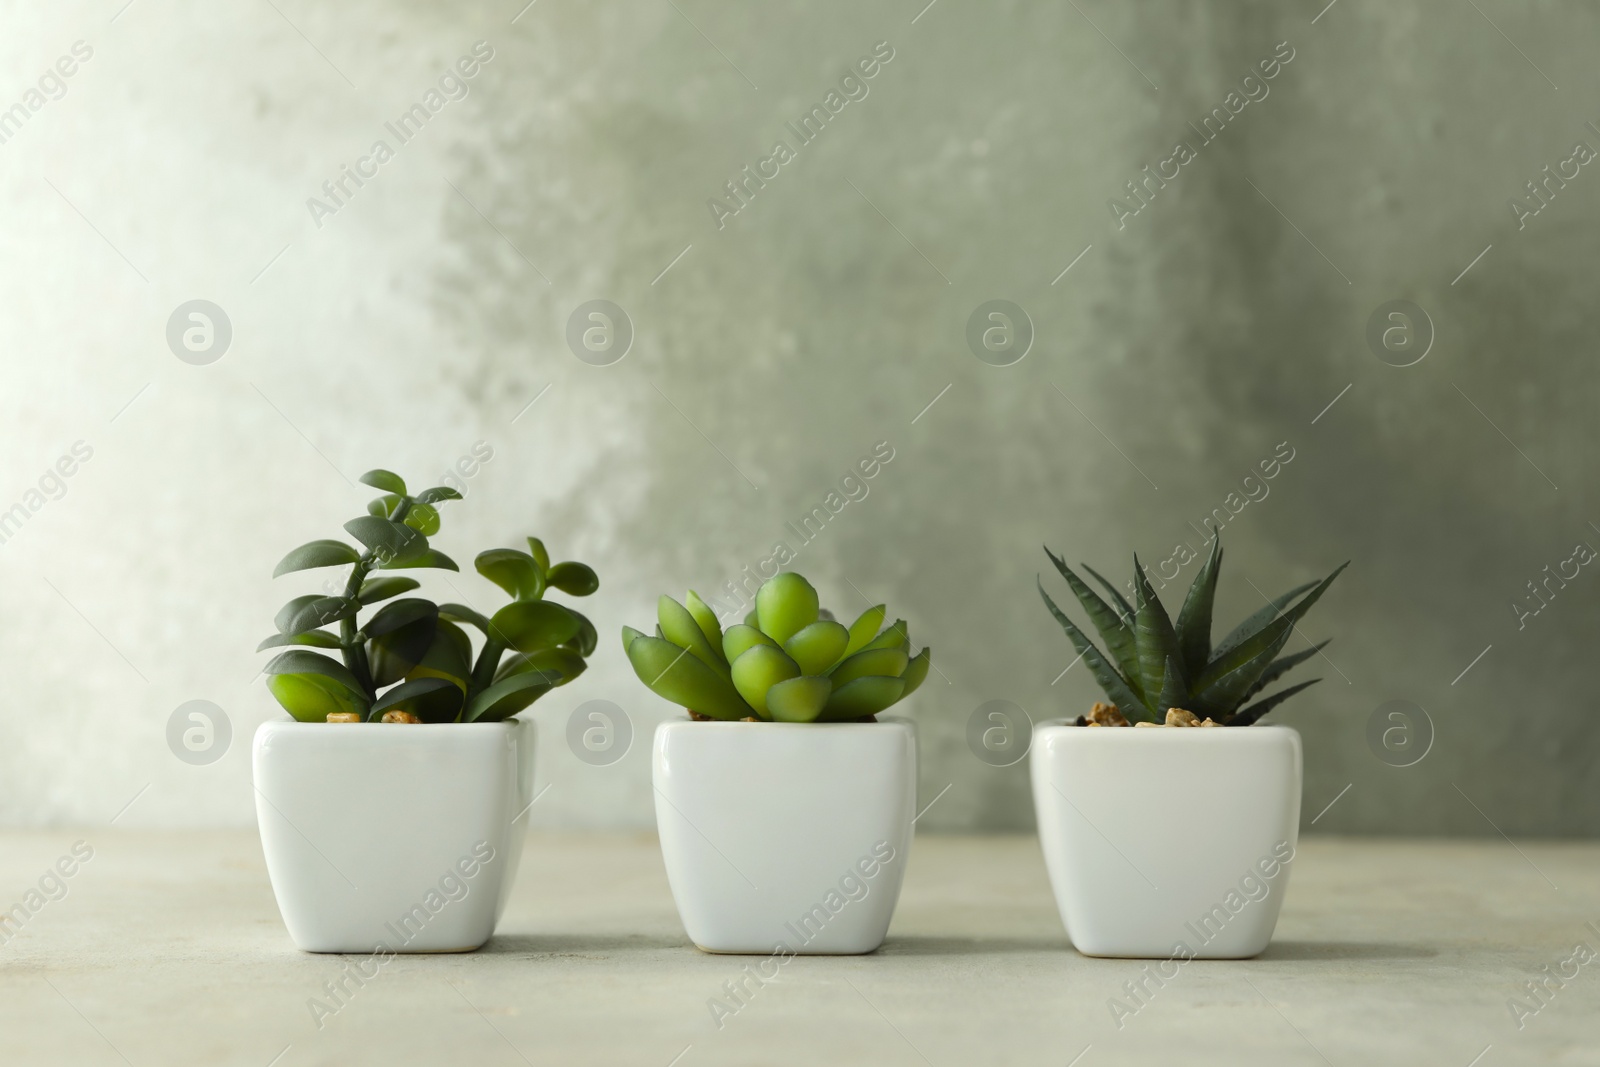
(818, 646)
(758, 670)
(672, 673)
(574, 579)
(798, 699)
(784, 603)
(740, 637)
(862, 697)
(531, 625)
(884, 662)
(865, 628)
(515, 572)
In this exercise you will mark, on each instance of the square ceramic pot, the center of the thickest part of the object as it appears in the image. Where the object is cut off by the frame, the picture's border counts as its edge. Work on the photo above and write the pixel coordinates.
(785, 837)
(403, 838)
(1170, 842)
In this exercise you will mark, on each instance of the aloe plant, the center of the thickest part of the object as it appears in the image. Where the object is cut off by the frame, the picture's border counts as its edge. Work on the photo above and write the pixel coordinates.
(411, 659)
(789, 661)
(1154, 663)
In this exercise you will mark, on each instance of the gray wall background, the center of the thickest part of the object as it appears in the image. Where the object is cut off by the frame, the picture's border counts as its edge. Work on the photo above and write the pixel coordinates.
(1176, 354)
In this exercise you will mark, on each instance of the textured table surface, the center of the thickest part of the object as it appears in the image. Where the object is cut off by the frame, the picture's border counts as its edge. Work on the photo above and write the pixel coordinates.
(167, 949)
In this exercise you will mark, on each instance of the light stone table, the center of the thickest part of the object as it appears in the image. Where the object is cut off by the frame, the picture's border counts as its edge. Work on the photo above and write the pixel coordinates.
(167, 950)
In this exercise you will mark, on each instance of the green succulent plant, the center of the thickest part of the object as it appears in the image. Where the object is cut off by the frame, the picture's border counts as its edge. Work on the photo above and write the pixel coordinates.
(789, 661)
(414, 656)
(1156, 663)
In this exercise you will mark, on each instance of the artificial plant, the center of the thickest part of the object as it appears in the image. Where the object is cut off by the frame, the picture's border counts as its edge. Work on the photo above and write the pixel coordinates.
(411, 660)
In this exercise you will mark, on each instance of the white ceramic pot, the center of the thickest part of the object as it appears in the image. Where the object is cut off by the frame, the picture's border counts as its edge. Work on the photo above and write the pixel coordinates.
(394, 837)
(1171, 843)
(785, 838)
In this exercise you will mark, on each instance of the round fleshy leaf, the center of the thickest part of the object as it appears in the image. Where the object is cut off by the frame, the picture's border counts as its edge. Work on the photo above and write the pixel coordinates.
(388, 481)
(863, 697)
(740, 637)
(310, 685)
(874, 662)
(758, 670)
(376, 589)
(540, 555)
(916, 671)
(323, 553)
(423, 518)
(515, 572)
(431, 557)
(309, 612)
(574, 579)
(818, 646)
(504, 699)
(314, 638)
(462, 613)
(705, 617)
(436, 494)
(531, 625)
(391, 542)
(587, 637)
(798, 699)
(784, 603)
(563, 661)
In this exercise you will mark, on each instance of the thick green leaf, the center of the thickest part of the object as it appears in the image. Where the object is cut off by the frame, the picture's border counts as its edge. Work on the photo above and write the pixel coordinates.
(628, 634)
(1252, 625)
(436, 494)
(865, 628)
(309, 612)
(1249, 715)
(672, 673)
(1271, 636)
(705, 617)
(574, 579)
(400, 613)
(862, 697)
(397, 653)
(1174, 690)
(310, 685)
(883, 662)
(1156, 641)
(1281, 666)
(1194, 618)
(376, 589)
(1115, 631)
(563, 661)
(896, 636)
(752, 619)
(504, 699)
(518, 573)
(1116, 595)
(429, 699)
(392, 543)
(384, 506)
(531, 625)
(680, 627)
(784, 603)
(449, 656)
(317, 554)
(388, 481)
(429, 558)
(314, 638)
(819, 646)
(758, 670)
(739, 637)
(798, 699)
(423, 518)
(586, 639)
(1112, 683)
(462, 613)
(916, 671)
(540, 555)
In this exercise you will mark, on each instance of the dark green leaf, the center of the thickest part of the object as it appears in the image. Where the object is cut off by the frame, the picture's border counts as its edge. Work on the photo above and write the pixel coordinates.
(436, 494)
(429, 699)
(1272, 636)
(311, 612)
(671, 672)
(391, 617)
(504, 699)
(1116, 595)
(1174, 690)
(574, 579)
(1115, 686)
(397, 653)
(1248, 716)
(423, 518)
(1282, 666)
(376, 589)
(531, 625)
(1251, 626)
(1194, 619)
(515, 572)
(314, 638)
(391, 542)
(317, 554)
(1156, 640)
(384, 506)
(299, 661)
(563, 661)
(540, 555)
(916, 671)
(462, 613)
(388, 481)
(1116, 632)
(430, 558)
(449, 655)
(586, 638)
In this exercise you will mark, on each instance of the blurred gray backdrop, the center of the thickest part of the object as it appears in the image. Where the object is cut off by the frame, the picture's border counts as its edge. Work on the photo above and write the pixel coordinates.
(1194, 313)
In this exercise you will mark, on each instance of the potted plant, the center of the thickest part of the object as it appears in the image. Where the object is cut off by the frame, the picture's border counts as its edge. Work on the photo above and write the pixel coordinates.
(1173, 842)
(783, 803)
(388, 806)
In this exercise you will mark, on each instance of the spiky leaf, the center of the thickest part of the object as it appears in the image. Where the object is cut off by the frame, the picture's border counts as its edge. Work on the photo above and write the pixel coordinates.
(1271, 636)
(1252, 625)
(1194, 618)
(1113, 684)
(1156, 640)
(1249, 715)
(1115, 631)
(1121, 601)
(1282, 666)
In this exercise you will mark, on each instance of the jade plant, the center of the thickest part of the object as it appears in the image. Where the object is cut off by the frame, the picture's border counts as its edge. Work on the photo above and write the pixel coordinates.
(411, 660)
(1161, 671)
(789, 661)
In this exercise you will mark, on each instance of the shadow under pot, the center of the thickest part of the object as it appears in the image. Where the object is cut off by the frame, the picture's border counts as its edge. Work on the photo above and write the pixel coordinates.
(392, 838)
(785, 838)
(1167, 843)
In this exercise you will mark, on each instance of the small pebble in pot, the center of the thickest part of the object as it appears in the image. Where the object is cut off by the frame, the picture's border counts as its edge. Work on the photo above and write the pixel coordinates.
(396, 715)
(343, 716)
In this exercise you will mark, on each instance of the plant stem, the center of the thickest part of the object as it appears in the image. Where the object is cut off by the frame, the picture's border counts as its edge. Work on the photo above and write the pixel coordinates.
(352, 650)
